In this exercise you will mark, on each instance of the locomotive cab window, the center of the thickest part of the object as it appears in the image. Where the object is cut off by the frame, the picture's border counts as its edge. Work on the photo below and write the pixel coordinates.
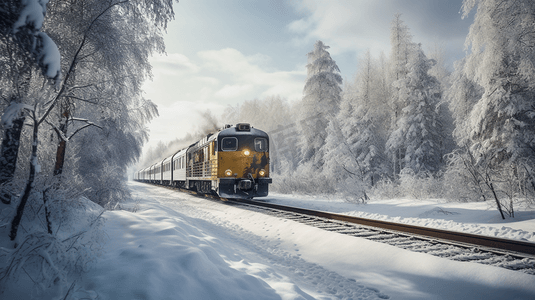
(260, 145)
(229, 144)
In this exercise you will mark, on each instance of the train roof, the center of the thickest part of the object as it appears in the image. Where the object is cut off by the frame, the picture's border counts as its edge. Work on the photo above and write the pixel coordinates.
(242, 129)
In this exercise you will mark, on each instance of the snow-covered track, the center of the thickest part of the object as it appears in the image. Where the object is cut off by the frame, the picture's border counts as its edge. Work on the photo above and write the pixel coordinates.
(510, 254)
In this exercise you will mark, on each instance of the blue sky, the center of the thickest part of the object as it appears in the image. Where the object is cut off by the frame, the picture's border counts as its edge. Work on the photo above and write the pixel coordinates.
(222, 53)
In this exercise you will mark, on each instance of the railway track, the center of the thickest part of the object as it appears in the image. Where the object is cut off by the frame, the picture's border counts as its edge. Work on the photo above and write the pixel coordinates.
(510, 254)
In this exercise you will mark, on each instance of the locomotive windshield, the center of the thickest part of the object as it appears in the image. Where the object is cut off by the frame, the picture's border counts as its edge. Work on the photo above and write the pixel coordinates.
(229, 144)
(259, 144)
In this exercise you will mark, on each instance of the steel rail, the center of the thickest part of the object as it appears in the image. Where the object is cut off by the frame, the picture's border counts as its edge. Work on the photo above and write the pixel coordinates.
(452, 236)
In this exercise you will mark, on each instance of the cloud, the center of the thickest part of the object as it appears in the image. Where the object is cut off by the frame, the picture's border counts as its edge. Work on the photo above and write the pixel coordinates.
(344, 25)
(233, 91)
(206, 80)
(357, 25)
(246, 77)
(173, 63)
(228, 60)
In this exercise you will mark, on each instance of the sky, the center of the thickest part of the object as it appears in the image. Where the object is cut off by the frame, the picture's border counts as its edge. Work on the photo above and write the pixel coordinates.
(222, 53)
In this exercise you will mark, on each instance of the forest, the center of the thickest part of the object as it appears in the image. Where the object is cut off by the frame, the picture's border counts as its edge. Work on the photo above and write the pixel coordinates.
(406, 126)
(73, 120)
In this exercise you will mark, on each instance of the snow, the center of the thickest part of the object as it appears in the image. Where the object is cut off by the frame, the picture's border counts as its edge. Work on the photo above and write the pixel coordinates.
(178, 246)
(12, 112)
(32, 14)
(49, 56)
(167, 244)
(472, 217)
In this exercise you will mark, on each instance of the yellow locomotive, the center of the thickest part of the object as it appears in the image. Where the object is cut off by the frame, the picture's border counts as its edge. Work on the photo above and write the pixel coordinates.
(232, 163)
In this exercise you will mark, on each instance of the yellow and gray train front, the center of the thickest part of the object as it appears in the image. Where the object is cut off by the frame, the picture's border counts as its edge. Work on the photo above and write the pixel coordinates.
(243, 162)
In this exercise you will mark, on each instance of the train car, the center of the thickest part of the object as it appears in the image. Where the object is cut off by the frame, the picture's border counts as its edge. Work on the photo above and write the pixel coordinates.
(158, 173)
(232, 163)
(167, 173)
(178, 172)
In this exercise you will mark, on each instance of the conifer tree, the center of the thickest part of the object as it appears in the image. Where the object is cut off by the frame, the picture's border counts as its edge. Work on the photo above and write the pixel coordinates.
(321, 101)
(356, 139)
(402, 47)
(418, 128)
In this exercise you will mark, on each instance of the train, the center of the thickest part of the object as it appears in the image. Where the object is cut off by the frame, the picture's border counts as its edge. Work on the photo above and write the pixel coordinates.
(232, 163)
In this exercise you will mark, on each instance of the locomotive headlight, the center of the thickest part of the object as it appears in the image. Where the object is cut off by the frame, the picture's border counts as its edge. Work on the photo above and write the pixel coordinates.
(228, 172)
(246, 152)
(262, 172)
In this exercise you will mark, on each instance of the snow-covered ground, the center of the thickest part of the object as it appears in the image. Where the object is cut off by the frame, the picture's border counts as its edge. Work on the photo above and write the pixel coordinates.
(178, 246)
(473, 217)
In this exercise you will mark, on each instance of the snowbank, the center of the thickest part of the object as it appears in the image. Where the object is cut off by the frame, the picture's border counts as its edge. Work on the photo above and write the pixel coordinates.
(473, 217)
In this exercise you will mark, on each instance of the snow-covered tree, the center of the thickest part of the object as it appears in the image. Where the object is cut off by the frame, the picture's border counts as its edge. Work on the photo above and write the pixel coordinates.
(462, 96)
(104, 46)
(492, 99)
(402, 48)
(321, 101)
(105, 49)
(502, 62)
(25, 48)
(266, 114)
(102, 36)
(355, 145)
(418, 128)
(444, 77)
(439, 69)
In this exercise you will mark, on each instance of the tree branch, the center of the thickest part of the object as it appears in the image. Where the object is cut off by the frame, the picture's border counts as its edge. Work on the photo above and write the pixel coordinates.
(85, 126)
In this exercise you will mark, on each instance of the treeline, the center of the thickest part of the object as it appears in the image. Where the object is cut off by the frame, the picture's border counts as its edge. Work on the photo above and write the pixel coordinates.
(405, 126)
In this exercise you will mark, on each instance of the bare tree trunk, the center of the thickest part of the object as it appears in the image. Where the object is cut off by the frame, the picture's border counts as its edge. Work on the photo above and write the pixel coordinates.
(29, 184)
(9, 153)
(62, 145)
(498, 204)
(47, 212)
(60, 157)
(472, 169)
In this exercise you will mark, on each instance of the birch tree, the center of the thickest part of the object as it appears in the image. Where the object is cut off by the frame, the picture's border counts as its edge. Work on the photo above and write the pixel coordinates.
(106, 49)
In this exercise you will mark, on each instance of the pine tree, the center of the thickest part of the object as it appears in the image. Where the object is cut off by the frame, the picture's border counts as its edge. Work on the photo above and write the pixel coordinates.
(355, 145)
(402, 47)
(418, 128)
(321, 101)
